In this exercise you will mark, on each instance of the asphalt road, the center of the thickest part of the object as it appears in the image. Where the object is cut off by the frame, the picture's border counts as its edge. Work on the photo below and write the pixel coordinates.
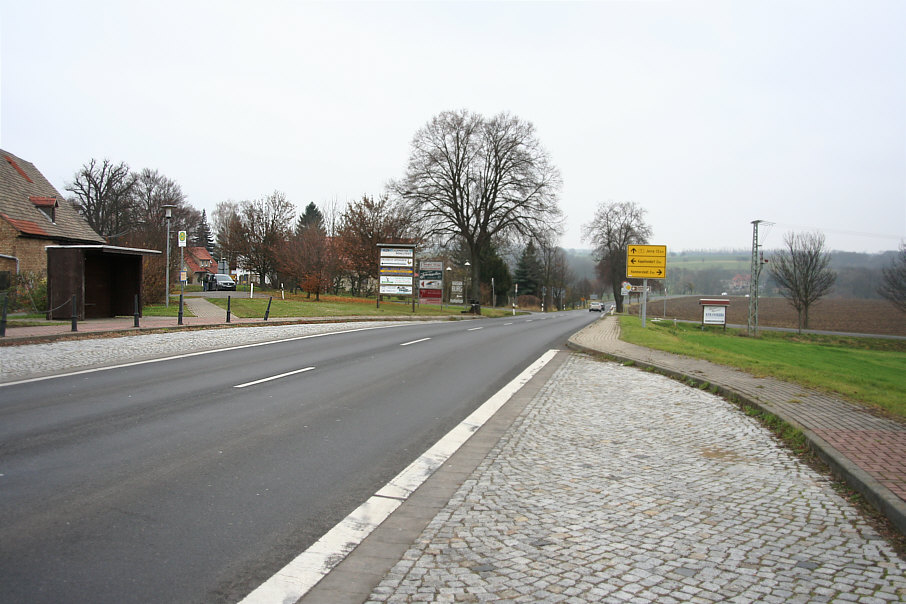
(191, 480)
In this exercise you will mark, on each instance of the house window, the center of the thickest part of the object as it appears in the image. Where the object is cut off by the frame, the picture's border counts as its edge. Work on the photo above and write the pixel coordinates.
(48, 205)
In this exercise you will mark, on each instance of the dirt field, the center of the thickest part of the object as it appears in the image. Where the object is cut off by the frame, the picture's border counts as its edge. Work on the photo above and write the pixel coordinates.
(857, 316)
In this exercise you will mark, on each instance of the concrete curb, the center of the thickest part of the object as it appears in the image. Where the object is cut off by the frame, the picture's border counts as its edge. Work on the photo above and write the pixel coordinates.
(879, 496)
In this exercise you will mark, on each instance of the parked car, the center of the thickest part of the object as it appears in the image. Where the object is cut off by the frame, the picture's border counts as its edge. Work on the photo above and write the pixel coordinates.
(221, 282)
(595, 306)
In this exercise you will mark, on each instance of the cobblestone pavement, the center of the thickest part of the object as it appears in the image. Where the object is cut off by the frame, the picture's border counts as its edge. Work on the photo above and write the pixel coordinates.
(32, 360)
(868, 450)
(617, 485)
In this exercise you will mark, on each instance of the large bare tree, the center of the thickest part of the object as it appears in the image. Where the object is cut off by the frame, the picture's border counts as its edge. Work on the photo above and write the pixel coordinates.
(615, 226)
(102, 192)
(802, 272)
(479, 179)
(893, 280)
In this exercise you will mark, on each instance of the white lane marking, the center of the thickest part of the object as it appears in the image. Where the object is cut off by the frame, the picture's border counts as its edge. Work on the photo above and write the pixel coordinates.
(475, 328)
(273, 377)
(415, 341)
(510, 323)
(296, 578)
(191, 354)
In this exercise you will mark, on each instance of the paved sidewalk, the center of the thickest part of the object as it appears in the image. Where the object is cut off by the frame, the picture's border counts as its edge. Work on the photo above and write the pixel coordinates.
(205, 314)
(619, 485)
(866, 450)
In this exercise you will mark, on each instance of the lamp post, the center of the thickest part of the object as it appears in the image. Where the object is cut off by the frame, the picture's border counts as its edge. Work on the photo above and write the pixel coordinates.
(449, 286)
(468, 266)
(168, 215)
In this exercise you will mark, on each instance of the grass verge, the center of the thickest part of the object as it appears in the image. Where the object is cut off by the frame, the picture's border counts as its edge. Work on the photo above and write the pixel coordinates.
(867, 370)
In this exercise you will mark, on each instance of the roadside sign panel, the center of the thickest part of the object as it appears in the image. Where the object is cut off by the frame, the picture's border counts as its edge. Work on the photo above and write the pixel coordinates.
(397, 290)
(456, 292)
(714, 315)
(646, 261)
(394, 280)
(397, 252)
(394, 261)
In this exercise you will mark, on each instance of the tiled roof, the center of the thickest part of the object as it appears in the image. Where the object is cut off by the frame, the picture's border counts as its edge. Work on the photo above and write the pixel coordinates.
(194, 257)
(25, 226)
(24, 190)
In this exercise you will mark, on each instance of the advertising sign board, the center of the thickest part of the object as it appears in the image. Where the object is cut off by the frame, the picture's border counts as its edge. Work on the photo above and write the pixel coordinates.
(396, 280)
(456, 292)
(397, 290)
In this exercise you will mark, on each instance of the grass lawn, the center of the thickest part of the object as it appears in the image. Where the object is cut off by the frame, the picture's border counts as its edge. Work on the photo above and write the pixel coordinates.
(868, 370)
(161, 310)
(334, 306)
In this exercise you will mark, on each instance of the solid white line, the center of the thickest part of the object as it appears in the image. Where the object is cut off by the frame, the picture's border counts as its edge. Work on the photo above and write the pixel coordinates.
(415, 341)
(273, 377)
(475, 328)
(190, 354)
(296, 578)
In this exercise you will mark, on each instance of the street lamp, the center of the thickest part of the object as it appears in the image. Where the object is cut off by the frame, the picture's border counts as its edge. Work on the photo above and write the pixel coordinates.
(449, 284)
(468, 266)
(168, 215)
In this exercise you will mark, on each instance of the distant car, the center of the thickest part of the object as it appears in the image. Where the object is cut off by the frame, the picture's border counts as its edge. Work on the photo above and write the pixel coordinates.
(221, 282)
(595, 307)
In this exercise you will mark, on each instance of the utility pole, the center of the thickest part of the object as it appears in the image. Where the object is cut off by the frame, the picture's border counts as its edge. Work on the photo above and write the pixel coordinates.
(755, 273)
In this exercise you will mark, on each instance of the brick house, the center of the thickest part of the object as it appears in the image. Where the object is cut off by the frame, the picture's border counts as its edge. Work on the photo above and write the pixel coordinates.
(34, 215)
(199, 264)
(43, 234)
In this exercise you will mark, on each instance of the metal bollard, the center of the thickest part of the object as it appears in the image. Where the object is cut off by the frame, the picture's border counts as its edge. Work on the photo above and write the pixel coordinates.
(228, 309)
(135, 315)
(268, 311)
(75, 315)
(180, 310)
(3, 317)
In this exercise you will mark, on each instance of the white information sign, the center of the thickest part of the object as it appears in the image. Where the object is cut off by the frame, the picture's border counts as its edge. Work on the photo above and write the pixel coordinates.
(397, 252)
(394, 280)
(714, 315)
(397, 290)
(393, 261)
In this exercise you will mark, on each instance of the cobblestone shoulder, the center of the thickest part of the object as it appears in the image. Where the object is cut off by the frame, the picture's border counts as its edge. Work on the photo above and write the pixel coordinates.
(617, 485)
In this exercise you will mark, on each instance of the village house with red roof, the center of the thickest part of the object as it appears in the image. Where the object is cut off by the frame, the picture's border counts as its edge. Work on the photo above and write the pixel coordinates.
(33, 215)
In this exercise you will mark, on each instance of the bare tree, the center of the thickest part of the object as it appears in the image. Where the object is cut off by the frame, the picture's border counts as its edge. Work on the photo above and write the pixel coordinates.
(150, 192)
(227, 226)
(479, 179)
(893, 280)
(615, 226)
(362, 226)
(265, 224)
(103, 195)
(802, 272)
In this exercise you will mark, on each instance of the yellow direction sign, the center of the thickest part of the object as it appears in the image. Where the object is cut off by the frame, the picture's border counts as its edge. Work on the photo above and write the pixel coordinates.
(646, 261)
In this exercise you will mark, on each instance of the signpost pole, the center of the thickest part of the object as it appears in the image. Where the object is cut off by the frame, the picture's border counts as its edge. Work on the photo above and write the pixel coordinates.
(644, 300)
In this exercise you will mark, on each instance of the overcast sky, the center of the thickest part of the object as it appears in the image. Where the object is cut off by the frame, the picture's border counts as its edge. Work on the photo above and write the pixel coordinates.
(708, 114)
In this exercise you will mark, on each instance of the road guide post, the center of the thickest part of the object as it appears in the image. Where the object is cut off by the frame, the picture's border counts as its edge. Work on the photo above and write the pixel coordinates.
(646, 262)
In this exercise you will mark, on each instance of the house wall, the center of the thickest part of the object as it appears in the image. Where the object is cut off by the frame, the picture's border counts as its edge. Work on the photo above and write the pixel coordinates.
(30, 252)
